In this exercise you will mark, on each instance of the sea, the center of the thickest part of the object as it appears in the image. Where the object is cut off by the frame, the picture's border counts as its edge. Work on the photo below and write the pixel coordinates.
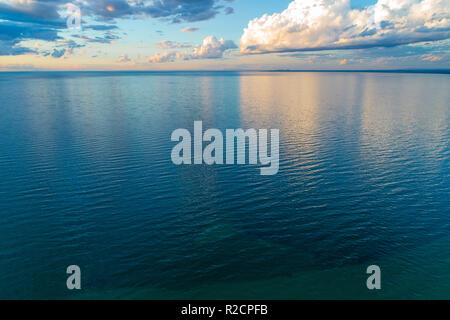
(86, 179)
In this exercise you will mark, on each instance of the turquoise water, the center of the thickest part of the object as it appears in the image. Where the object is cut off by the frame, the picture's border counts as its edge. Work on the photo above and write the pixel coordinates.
(87, 179)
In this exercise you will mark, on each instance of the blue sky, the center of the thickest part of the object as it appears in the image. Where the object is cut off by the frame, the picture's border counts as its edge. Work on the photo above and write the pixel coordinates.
(224, 34)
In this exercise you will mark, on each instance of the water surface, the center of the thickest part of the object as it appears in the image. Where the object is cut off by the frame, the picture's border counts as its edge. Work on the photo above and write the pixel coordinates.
(87, 179)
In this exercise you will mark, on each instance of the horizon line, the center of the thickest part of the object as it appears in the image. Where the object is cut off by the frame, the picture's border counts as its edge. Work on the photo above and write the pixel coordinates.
(436, 71)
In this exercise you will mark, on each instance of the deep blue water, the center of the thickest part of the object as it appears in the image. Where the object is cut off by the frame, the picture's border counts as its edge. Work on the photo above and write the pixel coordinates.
(87, 179)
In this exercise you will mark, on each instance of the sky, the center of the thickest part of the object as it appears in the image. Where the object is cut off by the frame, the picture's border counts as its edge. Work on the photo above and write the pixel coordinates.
(224, 34)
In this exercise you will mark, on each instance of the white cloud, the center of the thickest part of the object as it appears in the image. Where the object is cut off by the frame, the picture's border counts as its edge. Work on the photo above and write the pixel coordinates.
(169, 56)
(190, 29)
(123, 59)
(331, 24)
(167, 44)
(211, 48)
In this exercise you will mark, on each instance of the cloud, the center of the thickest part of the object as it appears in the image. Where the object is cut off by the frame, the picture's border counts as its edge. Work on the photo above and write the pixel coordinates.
(38, 12)
(190, 29)
(11, 34)
(431, 58)
(182, 10)
(169, 56)
(174, 10)
(414, 55)
(44, 20)
(106, 38)
(61, 53)
(312, 25)
(27, 20)
(123, 59)
(17, 66)
(12, 48)
(108, 9)
(167, 44)
(229, 10)
(64, 49)
(21, 31)
(211, 48)
(101, 27)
